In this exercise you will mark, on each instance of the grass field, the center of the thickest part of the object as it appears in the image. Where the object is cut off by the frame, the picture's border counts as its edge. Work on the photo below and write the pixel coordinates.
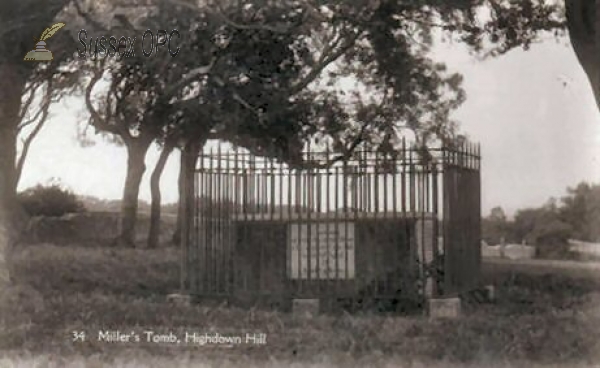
(540, 319)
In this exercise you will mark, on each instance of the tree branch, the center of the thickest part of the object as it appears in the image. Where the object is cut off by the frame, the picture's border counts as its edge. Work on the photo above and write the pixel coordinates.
(231, 23)
(86, 16)
(25, 107)
(327, 57)
(347, 151)
(33, 119)
(18, 24)
(220, 12)
(99, 122)
(32, 90)
(314, 11)
(191, 77)
(236, 96)
(43, 112)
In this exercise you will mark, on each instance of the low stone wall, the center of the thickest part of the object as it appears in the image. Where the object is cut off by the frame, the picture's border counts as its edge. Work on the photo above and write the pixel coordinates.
(349, 257)
(585, 249)
(90, 227)
(510, 251)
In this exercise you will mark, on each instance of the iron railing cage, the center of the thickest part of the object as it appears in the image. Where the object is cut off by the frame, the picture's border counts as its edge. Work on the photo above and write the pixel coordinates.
(428, 199)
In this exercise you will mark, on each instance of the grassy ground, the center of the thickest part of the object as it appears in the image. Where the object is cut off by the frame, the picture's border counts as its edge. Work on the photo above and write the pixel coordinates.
(540, 319)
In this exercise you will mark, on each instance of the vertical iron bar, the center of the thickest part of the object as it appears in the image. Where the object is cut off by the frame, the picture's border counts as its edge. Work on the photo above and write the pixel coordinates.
(358, 189)
(275, 256)
(218, 245)
(211, 215)
(368, 176)
(397, 259)
(228, 227)
(286, 173)
(337, 228)
(200, 203)
(198, 220)
(403, 178)
(245, 208)
(213, 220)
(375, 209)
(346, 213)
(299, 194)
(309, 228)
(447, 221)
(203, 206)
(289, 246)
(435, 230)
(318, 198)
(236, 217)
(423, 209)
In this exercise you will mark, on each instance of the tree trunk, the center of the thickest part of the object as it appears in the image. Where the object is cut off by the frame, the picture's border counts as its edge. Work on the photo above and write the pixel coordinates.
(583, 23)
(8, 233)
(13, 85)
(180, 181)
(154, 232)
(136, 155)
(188, 161)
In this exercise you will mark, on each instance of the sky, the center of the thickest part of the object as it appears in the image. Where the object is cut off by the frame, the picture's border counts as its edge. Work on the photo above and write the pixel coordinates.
(532, 111)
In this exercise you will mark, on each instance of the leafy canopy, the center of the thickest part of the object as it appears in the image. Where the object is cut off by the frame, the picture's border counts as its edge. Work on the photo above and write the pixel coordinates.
(265, 74)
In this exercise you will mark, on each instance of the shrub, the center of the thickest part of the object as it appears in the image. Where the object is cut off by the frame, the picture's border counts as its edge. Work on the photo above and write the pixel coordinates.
(551, 239)
(50, 200)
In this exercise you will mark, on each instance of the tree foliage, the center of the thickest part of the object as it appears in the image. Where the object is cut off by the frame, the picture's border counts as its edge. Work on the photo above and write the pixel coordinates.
(575, 216)
(581, 209)
(495, 227)
(264, 62)
(542, 226)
